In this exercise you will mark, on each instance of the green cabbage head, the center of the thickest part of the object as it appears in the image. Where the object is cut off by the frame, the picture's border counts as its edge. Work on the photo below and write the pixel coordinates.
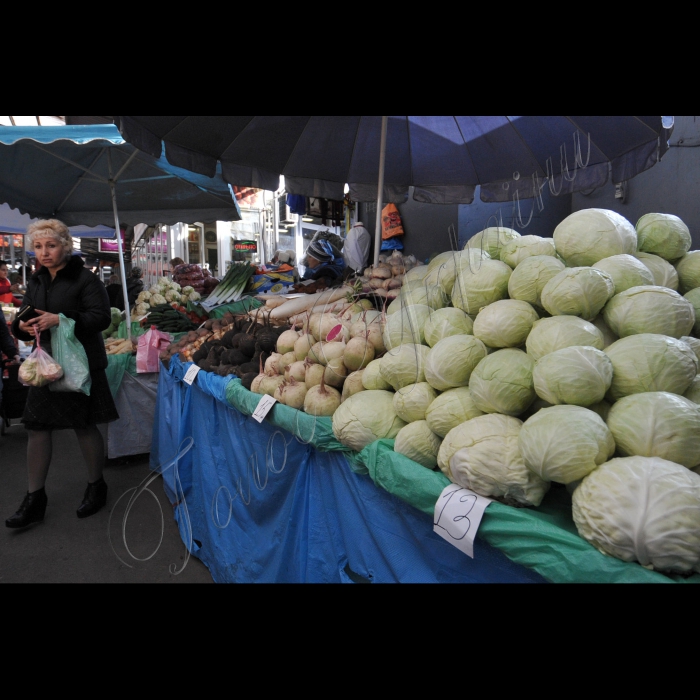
(451, 408)
(450, 362)
(519, 249)
(649, 309)
(445, 322)
(589, 235)
(657, 424)
(403, 365)
(650, 362)
(578, 291)
(492, 240)
(665, 275)
(488, 461)
(412, 401)
(688, 269)
(365, 417)
(505, 323)
(530, 276)
(406, 326)
(626, 271)
(417, 442)
(664, 235)
(565, 443)
(579, 375)
(557, 332)
(502, 382)
(642, 509)
(478, 286)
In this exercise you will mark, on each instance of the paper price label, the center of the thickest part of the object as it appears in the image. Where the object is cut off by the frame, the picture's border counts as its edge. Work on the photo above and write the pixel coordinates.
(263, 407)
(458, 514)
(191, 374)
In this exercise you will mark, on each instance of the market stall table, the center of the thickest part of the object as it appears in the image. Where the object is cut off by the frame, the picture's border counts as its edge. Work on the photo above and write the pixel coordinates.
(283, 501)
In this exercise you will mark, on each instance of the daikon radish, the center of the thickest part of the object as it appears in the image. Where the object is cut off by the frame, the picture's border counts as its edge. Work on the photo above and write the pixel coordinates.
(316, 301)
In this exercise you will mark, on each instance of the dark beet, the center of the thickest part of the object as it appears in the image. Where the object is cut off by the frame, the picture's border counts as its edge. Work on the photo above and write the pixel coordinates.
(199, 355)
(247, 345)
(247, 379)
(227, 338)
(267, 339)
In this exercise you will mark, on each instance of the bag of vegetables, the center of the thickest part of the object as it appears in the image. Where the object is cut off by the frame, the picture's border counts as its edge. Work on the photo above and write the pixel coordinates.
(39, 368)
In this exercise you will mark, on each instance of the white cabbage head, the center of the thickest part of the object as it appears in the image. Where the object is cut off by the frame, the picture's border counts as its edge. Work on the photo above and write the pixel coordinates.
(608, 336)
(657, 424)
(519, 249)
(578, 291)
(406, 326)
(451, 361)
(530, 276)
(502, 382)
(478, 286)
(579, 375)
(665, 275)
(688, 269)
(430, 295)
(417, 442)
(626, 271)
(451, 408)
(412, 401)
(664, 235)
(650, 362)
(492, 240)
(693, 391)
(589, 235)
(643, 509)
(445, 273)
(693, 296)
(557, 332)
(649, 309)
(372, 378)
(403, 365)
(565, 443)
(445, 322)
(365, 417)
(416, 274)
(483, 455)
(693, 342)
(505, 323)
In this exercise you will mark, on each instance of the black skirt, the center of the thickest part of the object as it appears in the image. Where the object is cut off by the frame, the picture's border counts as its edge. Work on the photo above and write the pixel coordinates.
(59, 410)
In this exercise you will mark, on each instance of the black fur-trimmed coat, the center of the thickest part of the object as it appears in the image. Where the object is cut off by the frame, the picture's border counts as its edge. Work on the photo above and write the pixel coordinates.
(78, 294)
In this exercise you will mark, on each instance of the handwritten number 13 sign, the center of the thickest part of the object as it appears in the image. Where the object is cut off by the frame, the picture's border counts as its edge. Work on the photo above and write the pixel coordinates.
(458, 513)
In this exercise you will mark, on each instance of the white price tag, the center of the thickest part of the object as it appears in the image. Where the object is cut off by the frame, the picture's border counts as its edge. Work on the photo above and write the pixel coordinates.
(263, 407)
(458, 514)
(191, 374)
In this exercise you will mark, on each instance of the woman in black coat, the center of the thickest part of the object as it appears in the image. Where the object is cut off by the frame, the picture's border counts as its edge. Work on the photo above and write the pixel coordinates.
(62, 285)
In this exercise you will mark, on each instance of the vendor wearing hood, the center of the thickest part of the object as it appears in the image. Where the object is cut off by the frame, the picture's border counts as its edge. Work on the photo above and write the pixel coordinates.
(322, 265)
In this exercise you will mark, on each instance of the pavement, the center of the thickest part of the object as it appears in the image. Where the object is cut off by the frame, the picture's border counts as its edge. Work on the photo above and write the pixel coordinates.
(112, 546)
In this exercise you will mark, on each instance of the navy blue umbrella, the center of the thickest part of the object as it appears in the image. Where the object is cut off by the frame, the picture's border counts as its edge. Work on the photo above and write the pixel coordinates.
(443, 158)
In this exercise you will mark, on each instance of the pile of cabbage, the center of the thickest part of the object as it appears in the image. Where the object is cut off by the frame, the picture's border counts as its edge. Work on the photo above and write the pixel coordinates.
(165, 291)
(523, 360)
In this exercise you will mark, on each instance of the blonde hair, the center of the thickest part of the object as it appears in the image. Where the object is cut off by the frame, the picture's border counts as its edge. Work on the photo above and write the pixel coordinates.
(50, 228)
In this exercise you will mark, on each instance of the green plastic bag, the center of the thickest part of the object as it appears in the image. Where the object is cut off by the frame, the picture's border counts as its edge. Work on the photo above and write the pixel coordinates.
(69, 352)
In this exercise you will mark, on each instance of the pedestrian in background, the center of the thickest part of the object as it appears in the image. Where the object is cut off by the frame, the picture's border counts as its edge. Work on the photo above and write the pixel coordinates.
(63, 285)
(7, 288)
(114, 292)
(7, 346)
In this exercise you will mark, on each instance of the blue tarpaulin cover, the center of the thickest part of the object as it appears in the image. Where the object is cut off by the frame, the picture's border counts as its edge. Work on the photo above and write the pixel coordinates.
(259, 505)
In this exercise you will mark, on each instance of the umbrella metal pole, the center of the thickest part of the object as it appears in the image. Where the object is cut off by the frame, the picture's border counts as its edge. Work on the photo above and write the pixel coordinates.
(380, 190)
(121, 258)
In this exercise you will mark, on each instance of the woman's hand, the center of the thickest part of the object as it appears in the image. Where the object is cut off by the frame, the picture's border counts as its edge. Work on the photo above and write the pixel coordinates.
(43, 322)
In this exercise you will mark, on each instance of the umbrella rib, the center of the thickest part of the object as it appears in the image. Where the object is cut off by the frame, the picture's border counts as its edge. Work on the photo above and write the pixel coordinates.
(81, 178)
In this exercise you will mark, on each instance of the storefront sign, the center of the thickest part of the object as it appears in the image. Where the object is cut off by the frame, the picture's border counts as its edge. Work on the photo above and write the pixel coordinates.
(246, 246)
(109, 245)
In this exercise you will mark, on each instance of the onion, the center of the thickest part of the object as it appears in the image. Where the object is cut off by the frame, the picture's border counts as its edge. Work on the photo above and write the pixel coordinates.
(322, 400)
(359, 352)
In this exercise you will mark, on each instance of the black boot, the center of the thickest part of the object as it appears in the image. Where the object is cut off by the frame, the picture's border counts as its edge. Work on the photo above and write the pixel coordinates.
(94, 499)
(31, 511)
